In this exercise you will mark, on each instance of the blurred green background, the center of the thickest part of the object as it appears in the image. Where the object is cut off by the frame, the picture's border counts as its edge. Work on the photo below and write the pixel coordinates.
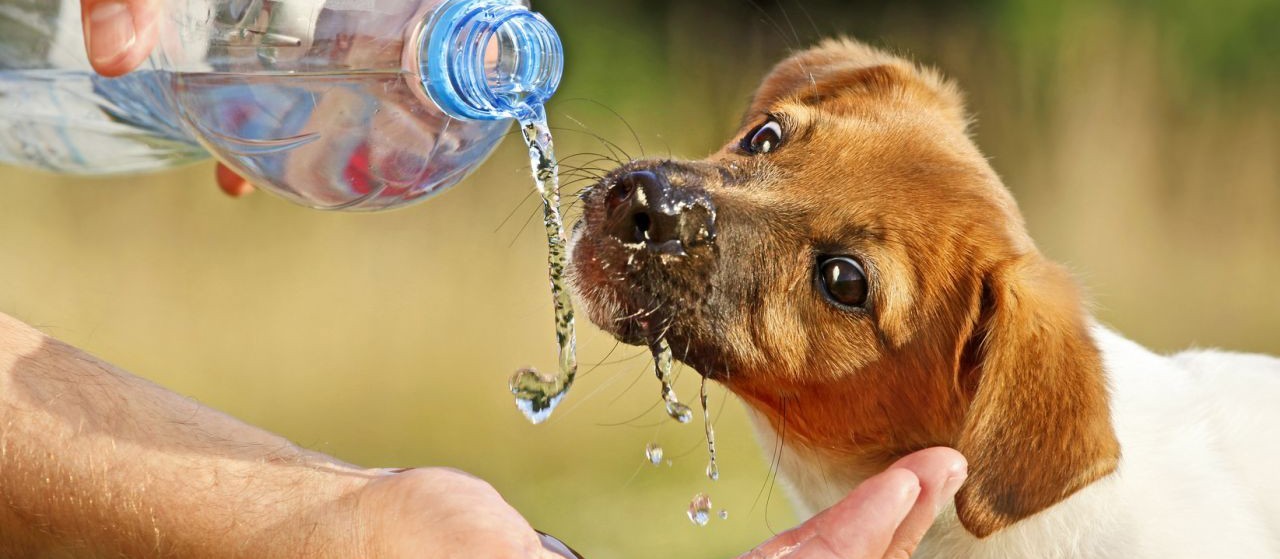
(1142, 139)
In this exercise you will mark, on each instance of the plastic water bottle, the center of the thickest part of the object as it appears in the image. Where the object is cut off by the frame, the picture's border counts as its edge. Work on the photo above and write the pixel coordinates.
(334, 104)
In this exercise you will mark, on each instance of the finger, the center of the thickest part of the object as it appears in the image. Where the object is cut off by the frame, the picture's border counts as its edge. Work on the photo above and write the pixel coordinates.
(859, 526)
(118, 34)
(941, 472)
(232, 184)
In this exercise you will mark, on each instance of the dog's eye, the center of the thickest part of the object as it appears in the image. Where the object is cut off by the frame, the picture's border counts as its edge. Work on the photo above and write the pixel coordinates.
(763, 139)
(843, 280)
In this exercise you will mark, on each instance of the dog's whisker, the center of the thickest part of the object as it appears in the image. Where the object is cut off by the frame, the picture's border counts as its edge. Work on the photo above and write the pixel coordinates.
(592, 172)
(641, 353)
(775, 462)
(608, 143)
(666, 145)
(604, 142)
(647, 410)
(523, 201)
(589, 165)
(598, 364)
(577, 181)
(643, 371)
(813, 24)
(642, 313)
(773, 22)
(634, 135)
(604, 385)
(787, 16)
(620, 155)
(536, 212)
(777, 466)
(586, 153)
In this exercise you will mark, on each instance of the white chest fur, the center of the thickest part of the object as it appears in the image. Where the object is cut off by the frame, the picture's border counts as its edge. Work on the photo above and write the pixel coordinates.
(1199, 477)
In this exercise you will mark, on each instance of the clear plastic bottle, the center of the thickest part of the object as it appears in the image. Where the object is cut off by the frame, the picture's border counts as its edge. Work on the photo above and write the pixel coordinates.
(334, 104)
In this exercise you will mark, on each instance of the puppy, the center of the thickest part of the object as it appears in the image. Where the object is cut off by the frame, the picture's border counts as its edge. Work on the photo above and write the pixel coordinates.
(854, 271)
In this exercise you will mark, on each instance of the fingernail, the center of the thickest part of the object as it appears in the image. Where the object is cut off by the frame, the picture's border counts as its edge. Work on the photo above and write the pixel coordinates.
(109, 32)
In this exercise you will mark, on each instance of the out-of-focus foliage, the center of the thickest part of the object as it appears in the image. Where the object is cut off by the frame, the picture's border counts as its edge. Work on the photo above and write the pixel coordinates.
(1141, 138)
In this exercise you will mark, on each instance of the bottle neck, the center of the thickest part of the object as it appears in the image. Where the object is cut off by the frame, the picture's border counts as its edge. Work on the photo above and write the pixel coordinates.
(488, 59)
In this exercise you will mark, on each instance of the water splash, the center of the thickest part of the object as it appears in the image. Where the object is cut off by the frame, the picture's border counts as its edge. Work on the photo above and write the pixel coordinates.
(724, 514)
(537, 394)
(654, 453)
(662, 361)
(700, 509)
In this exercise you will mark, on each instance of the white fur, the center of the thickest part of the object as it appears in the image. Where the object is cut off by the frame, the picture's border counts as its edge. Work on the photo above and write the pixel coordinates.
(1199, 478)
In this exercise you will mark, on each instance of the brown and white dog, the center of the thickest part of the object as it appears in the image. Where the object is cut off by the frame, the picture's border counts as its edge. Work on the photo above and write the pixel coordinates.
(855, 272)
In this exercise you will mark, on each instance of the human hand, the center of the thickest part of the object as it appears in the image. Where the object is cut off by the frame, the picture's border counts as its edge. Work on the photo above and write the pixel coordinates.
(119, 35)
(883, 518)
(440, 512)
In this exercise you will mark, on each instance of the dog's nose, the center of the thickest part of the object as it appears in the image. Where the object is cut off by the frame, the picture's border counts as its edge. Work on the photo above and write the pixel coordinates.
(644, 208)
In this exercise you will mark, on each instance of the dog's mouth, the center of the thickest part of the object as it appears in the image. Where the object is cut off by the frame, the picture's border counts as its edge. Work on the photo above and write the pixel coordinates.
(643, 255)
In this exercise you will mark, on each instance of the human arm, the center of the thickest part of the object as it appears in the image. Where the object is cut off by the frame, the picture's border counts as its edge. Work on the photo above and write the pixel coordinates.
(97, 462)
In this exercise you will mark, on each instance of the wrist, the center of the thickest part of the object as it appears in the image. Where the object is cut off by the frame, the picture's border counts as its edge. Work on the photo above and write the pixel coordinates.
(313, 511)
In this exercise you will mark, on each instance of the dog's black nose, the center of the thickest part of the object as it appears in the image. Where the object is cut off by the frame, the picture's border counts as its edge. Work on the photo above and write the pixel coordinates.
(643, 207)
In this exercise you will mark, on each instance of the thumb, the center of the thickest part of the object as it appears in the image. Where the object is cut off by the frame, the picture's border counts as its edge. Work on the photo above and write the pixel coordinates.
(118, 34)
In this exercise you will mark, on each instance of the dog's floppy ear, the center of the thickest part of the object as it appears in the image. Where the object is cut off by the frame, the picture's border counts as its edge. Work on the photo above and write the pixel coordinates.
(1038, 428)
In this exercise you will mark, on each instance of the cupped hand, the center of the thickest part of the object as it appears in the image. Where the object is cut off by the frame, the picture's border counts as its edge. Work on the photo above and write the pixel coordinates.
(883, 518)
(440, 512)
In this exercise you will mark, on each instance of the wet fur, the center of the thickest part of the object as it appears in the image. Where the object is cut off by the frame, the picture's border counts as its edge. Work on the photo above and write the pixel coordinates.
(971, 338)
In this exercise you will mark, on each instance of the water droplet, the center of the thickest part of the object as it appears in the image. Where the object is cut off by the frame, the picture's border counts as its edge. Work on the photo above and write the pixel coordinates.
(537, 394)
(679, 412)
(700, 509)
(654, 453)
(713, 471)
(724, 514)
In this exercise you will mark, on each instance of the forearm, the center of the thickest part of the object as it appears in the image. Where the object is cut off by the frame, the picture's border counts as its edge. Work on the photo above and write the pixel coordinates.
(104, 463)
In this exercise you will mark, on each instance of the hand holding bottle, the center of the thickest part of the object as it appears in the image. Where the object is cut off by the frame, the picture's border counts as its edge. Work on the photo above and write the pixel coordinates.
(119, 35)
(293, 95)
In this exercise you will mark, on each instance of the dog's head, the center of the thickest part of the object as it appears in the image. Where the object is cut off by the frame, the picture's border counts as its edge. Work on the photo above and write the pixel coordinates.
(852, 268)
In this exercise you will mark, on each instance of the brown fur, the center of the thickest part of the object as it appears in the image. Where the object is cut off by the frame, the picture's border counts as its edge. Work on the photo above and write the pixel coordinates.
(970, 338)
